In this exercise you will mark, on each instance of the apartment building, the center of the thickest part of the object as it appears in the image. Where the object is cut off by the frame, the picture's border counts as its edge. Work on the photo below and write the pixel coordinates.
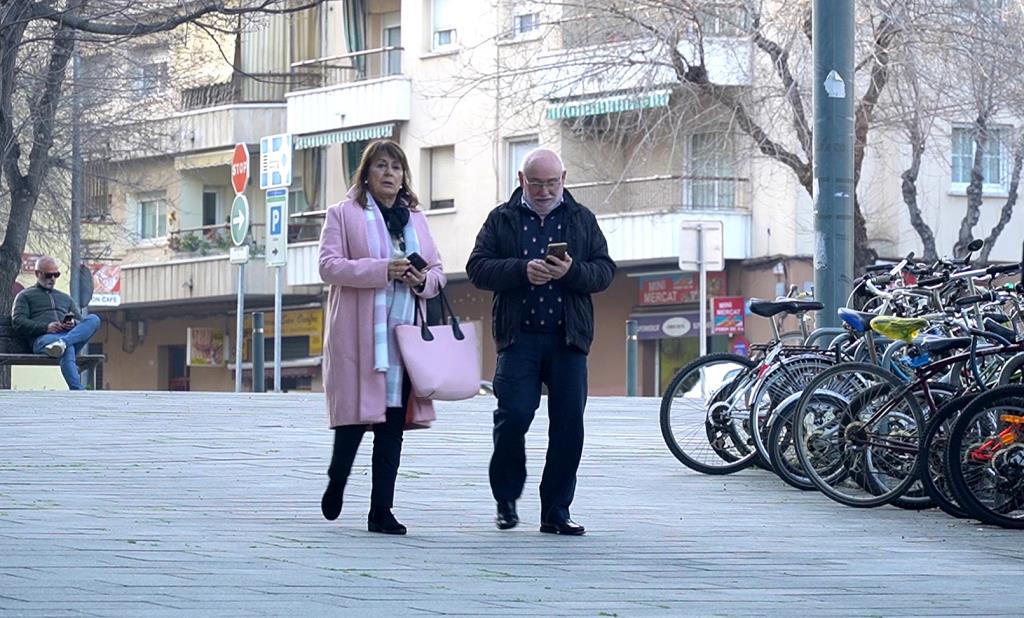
(467, 88)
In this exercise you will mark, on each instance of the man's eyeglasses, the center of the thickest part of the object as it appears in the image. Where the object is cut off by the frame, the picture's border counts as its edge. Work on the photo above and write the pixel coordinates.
(50, 275)
(544, 184)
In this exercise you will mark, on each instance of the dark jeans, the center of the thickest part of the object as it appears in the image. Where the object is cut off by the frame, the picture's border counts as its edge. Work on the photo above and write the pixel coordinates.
(535, 359)
(75, 339)
(387, 452)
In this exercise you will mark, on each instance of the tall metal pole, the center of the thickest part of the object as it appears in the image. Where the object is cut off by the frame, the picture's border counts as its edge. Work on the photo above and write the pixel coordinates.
(703, 291)
(278, 290)
(632, 345)
(239, 325)
(833, 33)
(76, 176)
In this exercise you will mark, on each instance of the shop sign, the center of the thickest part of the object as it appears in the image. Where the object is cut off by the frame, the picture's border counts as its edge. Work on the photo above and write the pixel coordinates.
(28, 262)
(106, 285)
(664, 326)
(296, 323)
(205, 347)
(679, 289)
(727, 315)
(740, 345)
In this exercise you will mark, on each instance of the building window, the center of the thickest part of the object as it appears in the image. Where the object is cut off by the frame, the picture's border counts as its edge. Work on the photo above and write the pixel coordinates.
(518, 148)
(392, 37)
(525, 20)
(995, 161)
(97, 194)
(723, 20)
(441, 163)
(211, 207)
(442, 14)
(148, 77)
(712, 174)
(152, 219)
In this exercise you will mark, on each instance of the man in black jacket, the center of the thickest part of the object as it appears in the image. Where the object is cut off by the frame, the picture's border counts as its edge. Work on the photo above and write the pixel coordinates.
(543, 325)
(52, 322)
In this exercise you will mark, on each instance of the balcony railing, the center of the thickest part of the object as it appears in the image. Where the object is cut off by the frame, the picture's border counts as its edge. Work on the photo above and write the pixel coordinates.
(255, 88)
(348, 68)
(205, 240)
(664, 194)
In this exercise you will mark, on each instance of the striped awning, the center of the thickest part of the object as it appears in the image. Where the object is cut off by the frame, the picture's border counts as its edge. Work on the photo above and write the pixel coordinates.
(608, 105)
(358, 134)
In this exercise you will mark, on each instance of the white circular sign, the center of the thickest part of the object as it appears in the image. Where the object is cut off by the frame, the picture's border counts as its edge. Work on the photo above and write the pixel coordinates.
(676, 327)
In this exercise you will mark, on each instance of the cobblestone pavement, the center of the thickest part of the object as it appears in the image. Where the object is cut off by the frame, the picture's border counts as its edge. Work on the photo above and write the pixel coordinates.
(151, 504)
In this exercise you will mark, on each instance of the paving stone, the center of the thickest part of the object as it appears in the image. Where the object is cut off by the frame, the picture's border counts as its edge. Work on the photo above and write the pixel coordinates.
(208, 504)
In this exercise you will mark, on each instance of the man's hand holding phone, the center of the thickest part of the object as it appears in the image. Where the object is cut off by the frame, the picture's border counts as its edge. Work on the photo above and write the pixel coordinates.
(68, 322)
(558, 261)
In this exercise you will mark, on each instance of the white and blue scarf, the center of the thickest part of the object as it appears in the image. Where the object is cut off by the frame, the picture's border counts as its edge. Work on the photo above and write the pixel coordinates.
(392, 305)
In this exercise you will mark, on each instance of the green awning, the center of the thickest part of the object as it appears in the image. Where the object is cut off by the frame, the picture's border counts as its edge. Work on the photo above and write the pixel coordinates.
(359, 134)
(608, 105)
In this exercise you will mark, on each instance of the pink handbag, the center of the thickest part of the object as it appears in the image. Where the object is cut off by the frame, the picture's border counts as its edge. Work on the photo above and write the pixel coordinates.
(443, 362)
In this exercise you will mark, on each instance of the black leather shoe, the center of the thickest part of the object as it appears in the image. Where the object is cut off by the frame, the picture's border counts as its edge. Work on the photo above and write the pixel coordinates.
(506, 517)
(330, 504)
(566, 526)
(384, 522)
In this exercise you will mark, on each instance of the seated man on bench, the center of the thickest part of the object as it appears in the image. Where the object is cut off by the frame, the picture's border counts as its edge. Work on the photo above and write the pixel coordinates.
(51, 320)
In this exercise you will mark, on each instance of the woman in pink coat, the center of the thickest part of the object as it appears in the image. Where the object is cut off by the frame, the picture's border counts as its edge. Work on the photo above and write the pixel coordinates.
(365, 247)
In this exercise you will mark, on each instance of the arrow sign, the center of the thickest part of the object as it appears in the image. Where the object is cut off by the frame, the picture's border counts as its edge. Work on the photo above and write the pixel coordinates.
(239, 220)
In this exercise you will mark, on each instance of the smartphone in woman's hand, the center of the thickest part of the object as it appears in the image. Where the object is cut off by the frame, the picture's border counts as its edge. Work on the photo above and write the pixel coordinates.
(417, 261)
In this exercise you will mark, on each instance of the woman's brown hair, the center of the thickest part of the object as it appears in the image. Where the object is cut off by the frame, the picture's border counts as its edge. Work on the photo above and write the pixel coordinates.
(374, 150)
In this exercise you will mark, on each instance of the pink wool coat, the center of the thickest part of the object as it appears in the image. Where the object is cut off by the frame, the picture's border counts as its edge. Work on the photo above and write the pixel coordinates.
(355, 392)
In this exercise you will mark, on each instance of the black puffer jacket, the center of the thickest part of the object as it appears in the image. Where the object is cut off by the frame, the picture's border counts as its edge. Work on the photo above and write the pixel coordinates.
(494, 265)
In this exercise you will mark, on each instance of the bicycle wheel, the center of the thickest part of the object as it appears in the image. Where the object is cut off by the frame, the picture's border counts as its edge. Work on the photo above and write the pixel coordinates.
(784, 378)
(862, 417)
(935, 472)
(704, 414)
(986, 457)
(917, 497)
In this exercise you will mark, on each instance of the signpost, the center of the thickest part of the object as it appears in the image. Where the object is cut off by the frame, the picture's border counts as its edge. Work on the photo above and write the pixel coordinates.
(277, 257)
(700, 249)
(240, 252)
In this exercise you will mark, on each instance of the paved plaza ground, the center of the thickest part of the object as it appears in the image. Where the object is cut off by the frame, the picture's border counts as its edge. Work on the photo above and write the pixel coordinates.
(152, 504)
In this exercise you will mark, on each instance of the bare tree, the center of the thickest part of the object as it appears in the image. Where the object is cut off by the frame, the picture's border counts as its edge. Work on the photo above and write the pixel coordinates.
(649, 45)
(37, 41)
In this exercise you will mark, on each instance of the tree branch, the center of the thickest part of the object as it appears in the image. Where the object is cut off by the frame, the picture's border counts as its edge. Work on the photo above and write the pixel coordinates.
(41, 10)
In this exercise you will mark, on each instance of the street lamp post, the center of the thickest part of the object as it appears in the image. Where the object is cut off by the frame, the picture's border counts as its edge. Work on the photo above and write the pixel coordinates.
(833, 32)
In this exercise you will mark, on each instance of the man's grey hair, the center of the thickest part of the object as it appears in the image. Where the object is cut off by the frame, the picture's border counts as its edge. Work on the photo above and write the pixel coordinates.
(43, 259)
(538, 153)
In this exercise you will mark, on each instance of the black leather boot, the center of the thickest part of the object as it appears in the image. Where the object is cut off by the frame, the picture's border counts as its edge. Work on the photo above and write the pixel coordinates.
(381, 520)
(330, 504)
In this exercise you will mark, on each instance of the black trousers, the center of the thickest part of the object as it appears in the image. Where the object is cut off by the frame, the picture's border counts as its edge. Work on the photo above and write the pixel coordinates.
(387, 452)
(535, 359)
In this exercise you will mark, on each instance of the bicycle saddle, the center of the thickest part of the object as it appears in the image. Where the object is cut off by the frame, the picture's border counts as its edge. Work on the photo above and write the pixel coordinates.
(993, 326)
(941, 345)
(859, 321)
(898, 329)
(768, 308)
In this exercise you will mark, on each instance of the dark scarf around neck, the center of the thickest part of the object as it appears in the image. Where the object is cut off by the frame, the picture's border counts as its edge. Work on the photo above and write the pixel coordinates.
(395, 218)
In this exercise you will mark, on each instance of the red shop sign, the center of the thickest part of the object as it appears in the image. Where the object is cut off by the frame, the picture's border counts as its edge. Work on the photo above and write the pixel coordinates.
(727, 315)
(679, 289)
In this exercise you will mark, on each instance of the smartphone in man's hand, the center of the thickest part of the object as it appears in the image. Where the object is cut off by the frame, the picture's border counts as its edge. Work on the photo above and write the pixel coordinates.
(69, 317)
(558, 249)
(417, 261)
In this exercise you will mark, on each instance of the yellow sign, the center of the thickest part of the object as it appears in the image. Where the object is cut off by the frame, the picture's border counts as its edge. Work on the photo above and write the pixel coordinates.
(205, 347)
(295, 323)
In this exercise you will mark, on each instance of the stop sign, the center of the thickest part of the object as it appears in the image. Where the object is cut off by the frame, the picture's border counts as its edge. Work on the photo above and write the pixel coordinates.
(240, 168)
